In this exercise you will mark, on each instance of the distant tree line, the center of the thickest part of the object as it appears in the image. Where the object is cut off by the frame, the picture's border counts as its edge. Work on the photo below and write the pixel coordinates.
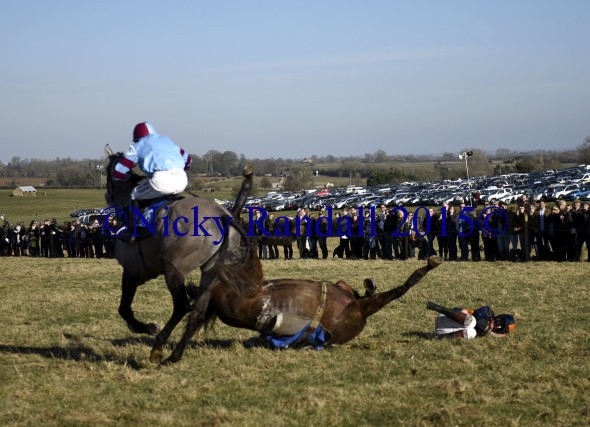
(375, 167)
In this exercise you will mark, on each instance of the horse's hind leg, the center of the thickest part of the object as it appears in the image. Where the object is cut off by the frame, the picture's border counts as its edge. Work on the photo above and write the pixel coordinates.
(352, 319)
(129, 288)
(180, 301)
(374, 303)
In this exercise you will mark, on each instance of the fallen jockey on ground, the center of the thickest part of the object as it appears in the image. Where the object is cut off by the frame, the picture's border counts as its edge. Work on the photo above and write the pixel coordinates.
(461, 323)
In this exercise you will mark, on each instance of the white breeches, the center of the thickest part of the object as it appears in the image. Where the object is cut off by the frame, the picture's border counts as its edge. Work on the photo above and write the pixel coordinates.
(162, 183)
(445, 325)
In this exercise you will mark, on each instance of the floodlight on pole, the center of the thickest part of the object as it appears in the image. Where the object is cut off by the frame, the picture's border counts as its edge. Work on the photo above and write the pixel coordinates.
(462, 156)
(99, 168)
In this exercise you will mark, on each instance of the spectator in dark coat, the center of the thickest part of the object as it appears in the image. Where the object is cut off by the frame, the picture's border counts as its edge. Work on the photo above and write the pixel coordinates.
(34, 239)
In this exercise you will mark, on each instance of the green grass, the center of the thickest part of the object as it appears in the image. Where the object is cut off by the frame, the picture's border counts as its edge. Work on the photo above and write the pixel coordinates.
(49, 203)
(66, 358)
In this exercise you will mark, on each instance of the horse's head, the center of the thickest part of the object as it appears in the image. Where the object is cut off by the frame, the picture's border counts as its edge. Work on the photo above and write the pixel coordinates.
(118, 191)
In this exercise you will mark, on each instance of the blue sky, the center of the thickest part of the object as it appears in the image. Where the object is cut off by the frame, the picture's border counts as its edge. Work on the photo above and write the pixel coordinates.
(292, 79)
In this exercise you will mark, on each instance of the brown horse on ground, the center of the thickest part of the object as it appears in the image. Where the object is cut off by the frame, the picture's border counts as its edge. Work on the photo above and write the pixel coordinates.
(169, 252)
(296, 308)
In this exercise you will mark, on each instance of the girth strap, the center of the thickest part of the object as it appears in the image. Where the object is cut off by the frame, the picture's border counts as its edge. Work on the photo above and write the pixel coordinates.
(315, 322)
(322, 307)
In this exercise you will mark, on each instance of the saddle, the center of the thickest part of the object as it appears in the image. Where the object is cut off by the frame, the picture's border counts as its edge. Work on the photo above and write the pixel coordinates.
(145, 225)
(287, 330)
(149, 206)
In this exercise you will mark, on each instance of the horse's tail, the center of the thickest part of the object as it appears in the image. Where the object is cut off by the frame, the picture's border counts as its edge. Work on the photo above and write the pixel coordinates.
(238, 266)
(244, 192)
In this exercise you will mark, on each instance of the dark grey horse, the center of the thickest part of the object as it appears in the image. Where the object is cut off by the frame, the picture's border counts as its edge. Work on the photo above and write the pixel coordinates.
(171, 252)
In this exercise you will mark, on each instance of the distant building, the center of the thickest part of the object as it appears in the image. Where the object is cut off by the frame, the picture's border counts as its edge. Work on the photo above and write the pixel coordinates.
(25, 190)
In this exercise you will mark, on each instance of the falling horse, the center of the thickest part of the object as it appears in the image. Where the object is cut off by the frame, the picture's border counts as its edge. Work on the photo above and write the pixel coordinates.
(289, 312)
(292, 312)
(175, 254)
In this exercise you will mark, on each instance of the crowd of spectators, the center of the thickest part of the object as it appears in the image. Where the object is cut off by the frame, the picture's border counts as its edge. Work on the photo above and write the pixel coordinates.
(490, 232)
(49, 239)
(529, 230)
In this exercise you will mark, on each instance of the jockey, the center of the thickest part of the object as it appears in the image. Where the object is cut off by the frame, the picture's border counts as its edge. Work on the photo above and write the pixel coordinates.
(462, 323)
(163, 162)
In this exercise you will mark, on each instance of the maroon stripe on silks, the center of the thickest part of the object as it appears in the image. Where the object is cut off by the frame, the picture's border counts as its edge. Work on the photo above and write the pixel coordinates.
(127, 163)
(188, 162)
(119, 175)
(182, 152)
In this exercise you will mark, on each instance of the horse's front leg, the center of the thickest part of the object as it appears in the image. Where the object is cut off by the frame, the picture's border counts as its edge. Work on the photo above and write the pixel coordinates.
(129, 286)
(197, 317)
(177, 289)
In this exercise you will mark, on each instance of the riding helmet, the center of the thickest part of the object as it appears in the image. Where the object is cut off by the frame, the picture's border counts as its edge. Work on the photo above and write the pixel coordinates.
(504, 323)
(141, 130)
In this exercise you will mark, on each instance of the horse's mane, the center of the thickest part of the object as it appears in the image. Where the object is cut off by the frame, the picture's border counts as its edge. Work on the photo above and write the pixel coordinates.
(130, 182)
(109, 170)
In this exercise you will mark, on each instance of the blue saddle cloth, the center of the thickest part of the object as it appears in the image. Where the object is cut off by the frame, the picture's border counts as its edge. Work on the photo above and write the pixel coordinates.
(149, 212)
(317, 339)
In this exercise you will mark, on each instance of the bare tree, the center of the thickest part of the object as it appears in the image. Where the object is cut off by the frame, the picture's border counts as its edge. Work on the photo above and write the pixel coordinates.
(584, 151)
(299, 178)
(504, 153)
(380, 156)
(228, 162)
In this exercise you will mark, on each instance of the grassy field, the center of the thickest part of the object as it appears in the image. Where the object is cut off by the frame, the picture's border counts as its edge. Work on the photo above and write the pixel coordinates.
(66, 358)
(49, 203)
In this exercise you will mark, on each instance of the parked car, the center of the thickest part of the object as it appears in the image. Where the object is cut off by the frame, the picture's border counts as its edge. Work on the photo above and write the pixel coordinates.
(369, 201)
(582, 193)
(87, 211)
(89, 219)
(558, 192)
(493, 195)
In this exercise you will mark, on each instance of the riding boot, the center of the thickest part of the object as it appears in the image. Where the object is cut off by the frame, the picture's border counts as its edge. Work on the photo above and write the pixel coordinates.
(129, 234)
(133, 207)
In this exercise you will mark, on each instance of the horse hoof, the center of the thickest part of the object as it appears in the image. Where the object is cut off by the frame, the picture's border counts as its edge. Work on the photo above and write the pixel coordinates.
(192, 291)
(370, 287)
(133, 329)
(156, 356)
(152, 329)
(434, 261)
(168, 361)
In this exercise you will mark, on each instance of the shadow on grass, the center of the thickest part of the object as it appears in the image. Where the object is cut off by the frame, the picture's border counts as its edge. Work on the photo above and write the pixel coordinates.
(419, 334)
(139, 340)
(77, 353)
(253, 342)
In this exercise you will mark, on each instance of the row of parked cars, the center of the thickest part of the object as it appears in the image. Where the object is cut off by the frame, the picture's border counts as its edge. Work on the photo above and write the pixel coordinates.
(567, 184)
